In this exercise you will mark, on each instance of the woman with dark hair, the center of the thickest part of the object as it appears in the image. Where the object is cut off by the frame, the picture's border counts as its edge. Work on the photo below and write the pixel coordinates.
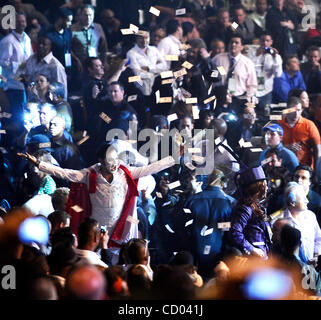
(205, 118)
(305, 101)
(250, 230)
(39, 90)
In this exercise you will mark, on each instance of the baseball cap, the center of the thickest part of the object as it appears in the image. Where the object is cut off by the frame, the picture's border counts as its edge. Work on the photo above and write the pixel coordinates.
(39, 142)
(274, 127)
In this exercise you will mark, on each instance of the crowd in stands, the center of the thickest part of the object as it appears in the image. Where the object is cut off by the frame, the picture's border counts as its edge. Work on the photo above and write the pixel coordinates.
(98, 200)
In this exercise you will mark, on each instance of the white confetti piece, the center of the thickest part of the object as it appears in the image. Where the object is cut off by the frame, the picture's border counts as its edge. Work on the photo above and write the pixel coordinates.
(154, 11)
(77, 208)
(275, 117)
(208, 231)
(221, 70)
(247, 144)
(186, 210)
(288, 110)
(214, 104)
(133, 27)
(189, 222)
(105, 117)
(195, 112)
(187, 65)
(169, 228)
(157, 95)
(209, 99)
(191, 100)
(180, 73)
(172, 117)
(203, 230)
(256, 149)
(265, 161)
(166, 74)
(179, 12)
(132, 220)
(174, 185)
(81, 141)
(224, 225)
(165, 100)
(134, 79)
(126, 31)
(159, 195)
(234, 25)
(166, 204)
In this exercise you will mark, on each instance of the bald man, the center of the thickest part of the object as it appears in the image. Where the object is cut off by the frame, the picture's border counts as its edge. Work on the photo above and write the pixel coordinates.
(65, 152)
(86, 283)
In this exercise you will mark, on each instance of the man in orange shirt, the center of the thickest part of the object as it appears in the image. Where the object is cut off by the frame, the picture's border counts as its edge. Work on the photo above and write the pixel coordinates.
(301, 135)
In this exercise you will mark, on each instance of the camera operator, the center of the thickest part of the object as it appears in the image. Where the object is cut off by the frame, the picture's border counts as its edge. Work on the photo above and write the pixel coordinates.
(268, 64)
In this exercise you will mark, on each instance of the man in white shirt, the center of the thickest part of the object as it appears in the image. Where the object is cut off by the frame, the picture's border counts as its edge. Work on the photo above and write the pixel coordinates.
(43, 62)
(268, 65)
(171, 45)
(238, 74)
(89, 238)
(302, 218)
(15, 49)
(146, 61)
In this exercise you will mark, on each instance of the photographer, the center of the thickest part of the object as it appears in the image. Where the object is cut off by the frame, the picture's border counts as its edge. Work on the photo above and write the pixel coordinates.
(90, 237)
(268, 65)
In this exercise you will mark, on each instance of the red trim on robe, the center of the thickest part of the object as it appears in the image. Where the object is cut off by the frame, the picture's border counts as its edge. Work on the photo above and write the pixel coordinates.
(129, 204)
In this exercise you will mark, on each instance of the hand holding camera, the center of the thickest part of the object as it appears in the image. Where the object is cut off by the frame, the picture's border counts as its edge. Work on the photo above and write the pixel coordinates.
(104, 237)
(271, 51)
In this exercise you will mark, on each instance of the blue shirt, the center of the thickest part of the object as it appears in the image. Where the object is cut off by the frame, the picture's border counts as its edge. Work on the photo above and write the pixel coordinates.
(289, 159)
(208, 208)
(61, 43)
(284, 84)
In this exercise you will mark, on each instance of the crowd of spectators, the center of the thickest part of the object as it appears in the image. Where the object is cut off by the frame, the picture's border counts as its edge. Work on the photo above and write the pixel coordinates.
(239, 78)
